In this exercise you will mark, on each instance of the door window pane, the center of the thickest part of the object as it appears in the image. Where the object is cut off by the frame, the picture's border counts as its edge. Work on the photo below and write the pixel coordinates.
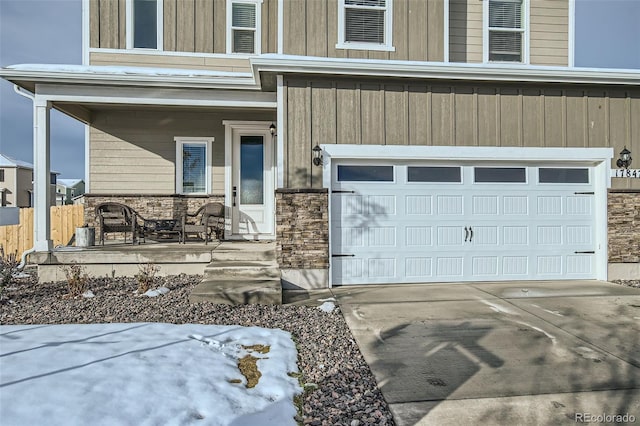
(434, 174)
(558, 175)
(251, 170)
(145, 24)
(500, 175)
(194, 168)
(365, 173)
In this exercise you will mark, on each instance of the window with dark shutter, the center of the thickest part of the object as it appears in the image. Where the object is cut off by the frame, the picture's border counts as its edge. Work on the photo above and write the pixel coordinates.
(506, 30)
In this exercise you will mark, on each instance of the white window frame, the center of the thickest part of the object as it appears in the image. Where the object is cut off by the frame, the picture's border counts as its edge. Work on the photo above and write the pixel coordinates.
(525, 34)
(258, 30)
(208, 143)
(388, 30)
(159, 26)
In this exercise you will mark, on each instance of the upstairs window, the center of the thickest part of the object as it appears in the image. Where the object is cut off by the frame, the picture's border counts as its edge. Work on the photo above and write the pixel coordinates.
(144, 24)
(243, 24)
(364, 24)
(506, 31)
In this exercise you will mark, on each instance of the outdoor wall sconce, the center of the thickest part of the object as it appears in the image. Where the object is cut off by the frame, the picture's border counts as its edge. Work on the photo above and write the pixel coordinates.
(272, 129)
(317, 155)
(625, 158)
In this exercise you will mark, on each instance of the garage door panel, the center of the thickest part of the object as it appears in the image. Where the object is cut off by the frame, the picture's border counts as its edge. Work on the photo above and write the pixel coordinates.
(419, 205)
(419, 236)
(419, 232)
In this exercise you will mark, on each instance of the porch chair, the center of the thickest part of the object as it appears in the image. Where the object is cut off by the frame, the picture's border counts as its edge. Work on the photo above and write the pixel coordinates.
(116, 217)
(208, 218)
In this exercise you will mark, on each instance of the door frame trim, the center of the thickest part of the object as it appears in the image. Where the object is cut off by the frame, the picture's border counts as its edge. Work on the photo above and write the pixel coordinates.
(598, 158)
(258, 126)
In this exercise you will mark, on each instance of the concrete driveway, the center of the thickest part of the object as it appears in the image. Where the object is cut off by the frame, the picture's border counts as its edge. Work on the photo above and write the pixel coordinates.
(500, 353)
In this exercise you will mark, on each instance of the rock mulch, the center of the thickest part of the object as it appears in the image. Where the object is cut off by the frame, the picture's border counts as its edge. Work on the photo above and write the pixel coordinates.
(341, 389)
(628, 283)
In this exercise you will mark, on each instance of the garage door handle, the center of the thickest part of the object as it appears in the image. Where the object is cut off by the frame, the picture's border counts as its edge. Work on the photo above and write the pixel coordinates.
(343, 255)
(471, 232)
(584, 252)
(466, 234)
(342, 192)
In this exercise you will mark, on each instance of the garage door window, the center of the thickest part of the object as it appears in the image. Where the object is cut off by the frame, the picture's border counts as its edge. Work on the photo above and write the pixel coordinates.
(558, 175)
(500, 175)
(434, 174)
(365, 173)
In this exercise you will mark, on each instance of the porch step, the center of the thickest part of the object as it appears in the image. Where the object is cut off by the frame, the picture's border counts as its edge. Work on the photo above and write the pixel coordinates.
(240, 270)
(235, 292)
(241, 273)
(240, 251)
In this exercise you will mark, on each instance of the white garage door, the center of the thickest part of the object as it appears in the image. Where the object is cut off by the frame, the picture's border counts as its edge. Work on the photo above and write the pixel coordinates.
(402, 223)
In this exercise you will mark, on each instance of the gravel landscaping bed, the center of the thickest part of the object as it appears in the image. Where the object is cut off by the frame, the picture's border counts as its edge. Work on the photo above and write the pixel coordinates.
(628, 283)
(328, 356)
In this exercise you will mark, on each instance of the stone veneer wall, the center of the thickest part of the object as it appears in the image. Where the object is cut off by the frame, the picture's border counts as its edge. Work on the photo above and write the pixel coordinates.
(302, 228)
(624, 226)
(171, 206)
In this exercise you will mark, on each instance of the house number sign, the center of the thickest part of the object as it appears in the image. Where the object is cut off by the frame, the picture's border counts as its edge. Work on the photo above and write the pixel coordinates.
(625, 173)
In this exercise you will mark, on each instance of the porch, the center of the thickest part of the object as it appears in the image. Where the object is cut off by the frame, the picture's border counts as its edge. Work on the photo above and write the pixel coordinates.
(233, 272)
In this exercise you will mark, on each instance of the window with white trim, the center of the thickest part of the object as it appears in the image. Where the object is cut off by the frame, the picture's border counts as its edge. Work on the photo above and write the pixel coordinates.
(144, 24)
(243, 27)
(193, 165)
(365, 24)
(506, 37)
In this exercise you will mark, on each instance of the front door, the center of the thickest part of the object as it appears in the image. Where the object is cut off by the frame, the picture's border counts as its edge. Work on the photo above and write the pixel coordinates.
(251, 183)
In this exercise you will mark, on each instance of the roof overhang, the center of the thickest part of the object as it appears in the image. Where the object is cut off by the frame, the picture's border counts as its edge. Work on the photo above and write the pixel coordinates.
(28, 75)
(266, 65)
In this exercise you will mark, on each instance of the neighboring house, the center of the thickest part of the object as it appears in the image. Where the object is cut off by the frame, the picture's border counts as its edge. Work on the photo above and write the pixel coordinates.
(16, 182)
(67, 190)
(412, 141)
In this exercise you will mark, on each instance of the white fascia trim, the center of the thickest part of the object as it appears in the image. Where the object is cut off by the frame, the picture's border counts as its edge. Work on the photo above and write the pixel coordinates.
(243, 81)
(85, 32)
(469, 153)
(572, 33)
(146, 96)
(208, 143)
(285, 64)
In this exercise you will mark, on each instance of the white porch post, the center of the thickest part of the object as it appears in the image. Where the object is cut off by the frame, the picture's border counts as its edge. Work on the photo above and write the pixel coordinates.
(41, 175)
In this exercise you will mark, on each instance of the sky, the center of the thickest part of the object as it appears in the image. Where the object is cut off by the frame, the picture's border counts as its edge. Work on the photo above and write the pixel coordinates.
(120, 374)
(49, 31)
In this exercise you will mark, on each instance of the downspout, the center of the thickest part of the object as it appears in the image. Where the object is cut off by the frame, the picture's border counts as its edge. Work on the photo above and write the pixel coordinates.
(23, 259)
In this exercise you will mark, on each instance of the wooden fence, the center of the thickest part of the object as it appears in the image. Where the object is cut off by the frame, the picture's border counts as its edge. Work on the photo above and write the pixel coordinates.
(64, 220)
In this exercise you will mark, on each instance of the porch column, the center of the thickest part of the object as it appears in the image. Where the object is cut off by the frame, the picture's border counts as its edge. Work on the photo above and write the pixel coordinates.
(41, 175)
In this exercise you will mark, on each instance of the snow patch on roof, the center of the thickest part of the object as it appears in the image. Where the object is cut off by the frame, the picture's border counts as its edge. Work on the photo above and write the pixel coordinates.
(69, 182)
(6, 161)
(119, 70)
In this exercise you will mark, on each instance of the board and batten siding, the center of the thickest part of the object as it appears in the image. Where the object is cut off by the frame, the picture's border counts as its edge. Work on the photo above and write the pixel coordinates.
(465, 31)
(417, 113)
(548, 31)
(132, 151)
(311, 29)
(197, 26)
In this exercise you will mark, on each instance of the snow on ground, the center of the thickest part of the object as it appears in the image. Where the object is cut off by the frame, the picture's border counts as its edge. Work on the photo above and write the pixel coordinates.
(144, 374)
